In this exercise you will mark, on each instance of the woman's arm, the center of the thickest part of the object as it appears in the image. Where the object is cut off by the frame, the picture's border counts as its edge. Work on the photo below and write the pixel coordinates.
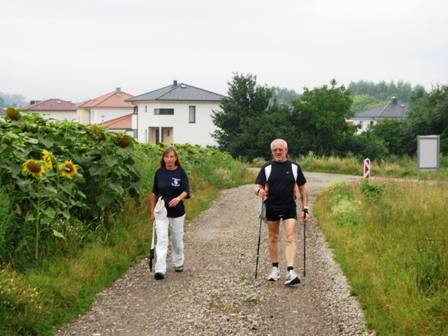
(176, 200)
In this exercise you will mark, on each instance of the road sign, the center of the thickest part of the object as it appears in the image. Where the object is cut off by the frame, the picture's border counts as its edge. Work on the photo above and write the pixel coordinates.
(367, 168)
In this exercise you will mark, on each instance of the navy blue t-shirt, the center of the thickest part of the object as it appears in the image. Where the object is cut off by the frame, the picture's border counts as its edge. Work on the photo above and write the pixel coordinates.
(169, 184)
(281, 183)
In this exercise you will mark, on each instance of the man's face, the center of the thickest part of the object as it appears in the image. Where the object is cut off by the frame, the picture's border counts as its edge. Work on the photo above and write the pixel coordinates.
(279, 152)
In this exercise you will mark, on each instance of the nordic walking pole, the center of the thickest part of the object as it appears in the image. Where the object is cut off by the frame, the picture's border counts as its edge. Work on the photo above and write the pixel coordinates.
(305, 212)
(151, 251)
(259, 238)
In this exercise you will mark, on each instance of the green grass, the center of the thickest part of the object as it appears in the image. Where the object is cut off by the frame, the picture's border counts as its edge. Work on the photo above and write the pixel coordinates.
(60, 288)
(392, 243)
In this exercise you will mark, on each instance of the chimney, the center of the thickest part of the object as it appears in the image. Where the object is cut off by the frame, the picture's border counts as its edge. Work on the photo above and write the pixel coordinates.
(118, 90)
(174, 82)
(32, 102)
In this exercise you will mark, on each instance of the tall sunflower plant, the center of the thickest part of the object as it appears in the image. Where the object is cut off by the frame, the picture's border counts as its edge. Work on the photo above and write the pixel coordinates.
(48, 195)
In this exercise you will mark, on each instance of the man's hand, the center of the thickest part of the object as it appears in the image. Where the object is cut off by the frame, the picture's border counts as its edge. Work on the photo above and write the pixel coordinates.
(152, 217)
(262, 193)
(305, 214)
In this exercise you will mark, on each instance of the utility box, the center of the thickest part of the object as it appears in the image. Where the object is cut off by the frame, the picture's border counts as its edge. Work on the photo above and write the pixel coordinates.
(428, 153)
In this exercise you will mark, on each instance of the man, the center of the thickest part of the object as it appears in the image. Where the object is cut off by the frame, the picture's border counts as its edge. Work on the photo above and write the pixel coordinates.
(276, 182)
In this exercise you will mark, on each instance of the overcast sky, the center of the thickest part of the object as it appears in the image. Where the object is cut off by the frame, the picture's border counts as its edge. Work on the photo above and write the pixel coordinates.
(76, 50)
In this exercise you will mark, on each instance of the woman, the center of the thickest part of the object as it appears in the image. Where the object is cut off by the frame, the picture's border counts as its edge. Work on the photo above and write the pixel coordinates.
(170, 183)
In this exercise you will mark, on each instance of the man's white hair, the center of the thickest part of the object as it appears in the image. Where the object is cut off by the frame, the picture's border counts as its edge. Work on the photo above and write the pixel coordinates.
(281, 141)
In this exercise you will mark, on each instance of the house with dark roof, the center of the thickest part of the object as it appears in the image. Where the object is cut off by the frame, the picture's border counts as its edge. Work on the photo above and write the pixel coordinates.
(109, 106)
(368, 118)
(54, 108)
(177, 113)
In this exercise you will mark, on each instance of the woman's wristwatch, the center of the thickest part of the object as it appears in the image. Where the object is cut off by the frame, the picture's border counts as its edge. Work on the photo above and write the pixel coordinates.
(306, 210)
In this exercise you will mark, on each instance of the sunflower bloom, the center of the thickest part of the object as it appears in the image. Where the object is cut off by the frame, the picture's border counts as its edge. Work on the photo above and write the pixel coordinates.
(12, 113)
(47, 157)
(123, 140)
(68, 168)
(33, 167)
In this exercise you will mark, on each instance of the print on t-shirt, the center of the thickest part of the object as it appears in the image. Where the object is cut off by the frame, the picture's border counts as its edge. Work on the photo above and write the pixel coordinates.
(175, 182)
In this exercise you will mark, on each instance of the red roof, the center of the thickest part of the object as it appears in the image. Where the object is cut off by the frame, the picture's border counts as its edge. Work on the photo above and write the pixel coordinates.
(51, 105)
(112, 99)
(124, 122)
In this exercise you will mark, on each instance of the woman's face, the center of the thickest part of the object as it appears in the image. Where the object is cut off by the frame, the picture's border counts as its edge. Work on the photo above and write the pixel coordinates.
(170, 160)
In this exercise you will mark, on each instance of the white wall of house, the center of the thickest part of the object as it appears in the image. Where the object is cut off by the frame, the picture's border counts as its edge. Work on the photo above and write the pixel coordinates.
(364, 124)
(58, 115)
(83, 116)
(99, 115)
(183, 131)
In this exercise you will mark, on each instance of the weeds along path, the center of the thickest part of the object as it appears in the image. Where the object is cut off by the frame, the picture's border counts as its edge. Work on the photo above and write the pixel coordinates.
(217, 293)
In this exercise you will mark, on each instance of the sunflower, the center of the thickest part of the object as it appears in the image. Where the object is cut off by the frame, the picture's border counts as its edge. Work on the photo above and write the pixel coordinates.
(123, 140)
(33, 167)
(97, 131)
(47, 157)
(12, 113)
(68, 168)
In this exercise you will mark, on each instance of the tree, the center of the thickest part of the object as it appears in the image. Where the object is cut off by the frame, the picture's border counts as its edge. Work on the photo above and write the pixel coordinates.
(429, 115)
(283, 95)
(319, 118)
(241, 114)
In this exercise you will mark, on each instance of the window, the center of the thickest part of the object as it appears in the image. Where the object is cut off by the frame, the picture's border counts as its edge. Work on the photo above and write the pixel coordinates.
(146, 108)
(164, 111)
(192, 114)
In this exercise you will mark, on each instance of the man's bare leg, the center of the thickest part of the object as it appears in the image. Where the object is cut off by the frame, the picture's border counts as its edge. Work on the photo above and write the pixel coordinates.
(290, 239)
(273, 232)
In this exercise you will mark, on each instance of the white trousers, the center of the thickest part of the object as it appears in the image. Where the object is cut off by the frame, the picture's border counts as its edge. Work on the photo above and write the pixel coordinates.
(176, 226)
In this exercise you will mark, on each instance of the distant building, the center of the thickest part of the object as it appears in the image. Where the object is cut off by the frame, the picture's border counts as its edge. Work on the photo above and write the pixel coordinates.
(110, 106)
(54, 108)
(178, 113)
(368, 118)
(121, 124)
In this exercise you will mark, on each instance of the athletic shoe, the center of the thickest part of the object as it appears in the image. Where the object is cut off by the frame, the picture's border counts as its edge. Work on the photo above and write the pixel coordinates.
(292, 278)
(179, 268)
(159, 276)
(275, 274)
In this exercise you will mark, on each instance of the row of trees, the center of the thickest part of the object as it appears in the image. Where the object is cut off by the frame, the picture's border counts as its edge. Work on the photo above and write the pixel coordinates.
(11, 100)
(316, 121)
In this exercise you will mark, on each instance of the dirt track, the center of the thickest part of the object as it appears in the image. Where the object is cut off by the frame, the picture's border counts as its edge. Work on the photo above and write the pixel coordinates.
(217, 292)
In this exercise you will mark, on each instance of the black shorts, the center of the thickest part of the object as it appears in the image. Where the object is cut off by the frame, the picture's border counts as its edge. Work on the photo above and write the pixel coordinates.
(275, 213)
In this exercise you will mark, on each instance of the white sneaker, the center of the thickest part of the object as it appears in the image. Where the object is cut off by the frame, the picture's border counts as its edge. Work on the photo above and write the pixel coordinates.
(292, 278)
(275, 274)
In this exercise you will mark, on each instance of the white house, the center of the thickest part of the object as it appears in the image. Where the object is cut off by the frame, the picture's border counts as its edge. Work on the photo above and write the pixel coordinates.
(56, 109)
(110, 106)
(391, 110)
(178, 113)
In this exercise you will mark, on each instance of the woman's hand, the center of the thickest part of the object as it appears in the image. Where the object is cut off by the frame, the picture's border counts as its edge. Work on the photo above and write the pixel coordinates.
(175, 201)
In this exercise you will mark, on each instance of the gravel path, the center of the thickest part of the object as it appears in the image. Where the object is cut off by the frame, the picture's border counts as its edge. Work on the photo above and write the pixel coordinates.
(217, 293)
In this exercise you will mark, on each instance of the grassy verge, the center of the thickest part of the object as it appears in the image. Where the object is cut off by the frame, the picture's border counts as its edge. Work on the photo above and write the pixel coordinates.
(57, 290)
(392, 243)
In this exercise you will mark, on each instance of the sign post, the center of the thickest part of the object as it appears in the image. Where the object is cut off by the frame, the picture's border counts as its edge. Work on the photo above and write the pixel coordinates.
(366, 169)
(428, 154)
